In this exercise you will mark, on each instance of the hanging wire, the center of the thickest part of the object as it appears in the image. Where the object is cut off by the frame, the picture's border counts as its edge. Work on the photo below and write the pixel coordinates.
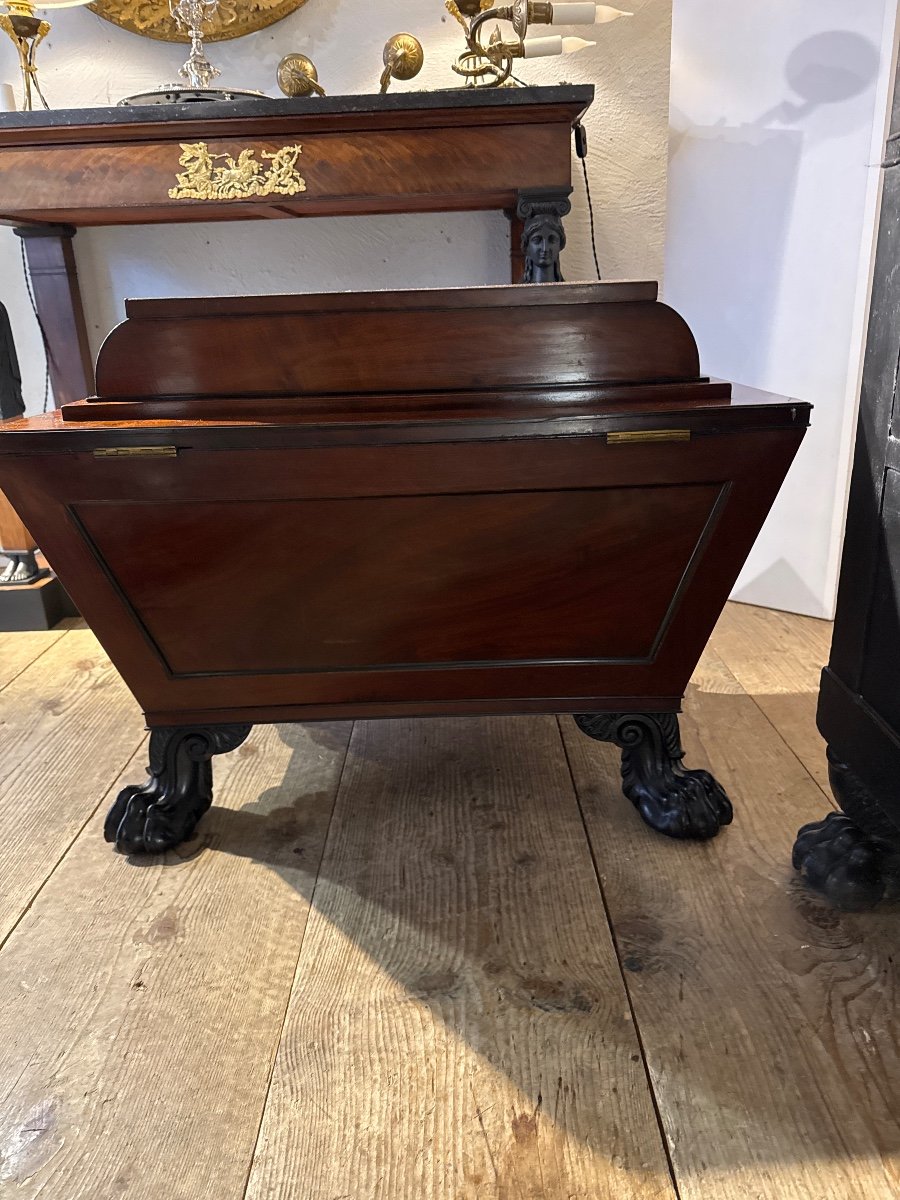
(587, 188)
(37, 316)
(581, 149)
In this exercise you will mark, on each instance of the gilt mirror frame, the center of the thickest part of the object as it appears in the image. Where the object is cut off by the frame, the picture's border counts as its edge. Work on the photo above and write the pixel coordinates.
(151, 18)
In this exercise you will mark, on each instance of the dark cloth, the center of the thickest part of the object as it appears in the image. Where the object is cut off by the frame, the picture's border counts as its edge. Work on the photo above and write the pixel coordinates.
(10, 376)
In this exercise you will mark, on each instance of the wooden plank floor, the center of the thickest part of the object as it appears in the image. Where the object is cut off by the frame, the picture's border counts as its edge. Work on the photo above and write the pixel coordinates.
(436, 960)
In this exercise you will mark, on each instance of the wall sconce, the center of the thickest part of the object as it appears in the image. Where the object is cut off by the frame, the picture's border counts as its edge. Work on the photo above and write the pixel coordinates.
(403, 58)
(297, 76)
(494, 60)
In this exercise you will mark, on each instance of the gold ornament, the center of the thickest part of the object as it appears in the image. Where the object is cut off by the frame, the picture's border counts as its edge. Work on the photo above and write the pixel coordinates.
(152, 18)
(297, 76)
(222, 177)
(403, 58)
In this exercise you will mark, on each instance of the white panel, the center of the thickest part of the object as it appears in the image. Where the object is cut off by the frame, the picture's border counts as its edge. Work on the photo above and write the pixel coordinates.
(777, 117)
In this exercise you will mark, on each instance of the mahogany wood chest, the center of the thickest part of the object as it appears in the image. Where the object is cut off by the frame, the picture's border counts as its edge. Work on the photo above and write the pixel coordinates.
(510, 499)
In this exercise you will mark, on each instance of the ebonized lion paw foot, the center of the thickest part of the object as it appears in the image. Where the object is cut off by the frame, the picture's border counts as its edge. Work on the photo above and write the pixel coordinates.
(672, 800)
(853, 857)
(852, 870)
(164, 812)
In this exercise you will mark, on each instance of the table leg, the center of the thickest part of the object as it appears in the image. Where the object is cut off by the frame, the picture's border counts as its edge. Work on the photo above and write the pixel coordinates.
(516, 253)
(671, 799)
(54, 279)
(160, 814)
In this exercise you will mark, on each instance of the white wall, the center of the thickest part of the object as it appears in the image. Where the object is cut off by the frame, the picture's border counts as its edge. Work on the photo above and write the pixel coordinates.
(87, 61)
(778, 112)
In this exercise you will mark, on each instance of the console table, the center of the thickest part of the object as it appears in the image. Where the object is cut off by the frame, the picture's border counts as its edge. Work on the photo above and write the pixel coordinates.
(454, 150)
(267, 160)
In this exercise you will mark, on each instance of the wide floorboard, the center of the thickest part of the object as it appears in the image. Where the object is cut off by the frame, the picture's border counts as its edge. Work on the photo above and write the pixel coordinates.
(436, 960)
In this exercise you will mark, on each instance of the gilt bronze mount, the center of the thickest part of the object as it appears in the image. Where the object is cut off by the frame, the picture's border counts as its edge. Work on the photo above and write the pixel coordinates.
(403, 58)
(297, 76)
(208, 176)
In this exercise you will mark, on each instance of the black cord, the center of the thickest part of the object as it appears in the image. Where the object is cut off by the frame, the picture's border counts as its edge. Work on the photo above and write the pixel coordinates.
(581, 148)
(37, 316)
(587, 188)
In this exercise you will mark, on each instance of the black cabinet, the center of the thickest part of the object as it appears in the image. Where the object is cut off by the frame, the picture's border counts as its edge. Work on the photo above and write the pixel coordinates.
(854, 856)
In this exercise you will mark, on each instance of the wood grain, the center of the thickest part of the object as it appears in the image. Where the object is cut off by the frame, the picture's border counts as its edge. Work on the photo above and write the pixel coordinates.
(427, 169)
(769, 1020)
(13, 534)
(357, 345)
(19, 650)
(192, 538)
(68, 725)
(53, 272)
(777, 658)
(141, 1004)
(458, 1026)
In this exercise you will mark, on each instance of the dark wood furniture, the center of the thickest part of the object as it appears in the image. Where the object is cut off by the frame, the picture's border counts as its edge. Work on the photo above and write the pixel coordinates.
(420, 152)
(854, 856)
(480, 500)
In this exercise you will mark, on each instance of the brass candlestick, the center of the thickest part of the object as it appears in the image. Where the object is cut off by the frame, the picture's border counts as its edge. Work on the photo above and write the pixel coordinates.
(192, 16)
(27, 31)
(403, 58)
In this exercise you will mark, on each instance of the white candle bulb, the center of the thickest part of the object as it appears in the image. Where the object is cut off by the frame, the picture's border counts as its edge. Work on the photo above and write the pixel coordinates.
(586, 14)
(606, 13)
(544, 47)
(574, 14)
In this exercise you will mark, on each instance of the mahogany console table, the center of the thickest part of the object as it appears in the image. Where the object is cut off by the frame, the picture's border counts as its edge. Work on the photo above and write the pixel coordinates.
(460, 149)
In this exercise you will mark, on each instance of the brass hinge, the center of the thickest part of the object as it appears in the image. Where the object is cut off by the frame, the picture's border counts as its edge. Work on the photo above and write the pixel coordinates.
(137, 452)
(649, 435)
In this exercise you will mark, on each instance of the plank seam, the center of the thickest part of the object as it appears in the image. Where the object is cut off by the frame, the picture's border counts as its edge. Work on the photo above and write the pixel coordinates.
(828, 796)
(37, 657)
(93, 812)
(290, 991)
(618, 953)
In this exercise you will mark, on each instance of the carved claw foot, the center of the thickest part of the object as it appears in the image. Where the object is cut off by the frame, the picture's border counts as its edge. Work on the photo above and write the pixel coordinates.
(670, 799)
(852, 858)
(164, 812)
(840, 860)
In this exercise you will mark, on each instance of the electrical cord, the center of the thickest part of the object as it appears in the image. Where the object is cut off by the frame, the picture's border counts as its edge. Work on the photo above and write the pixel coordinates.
(48, 354)
(581, 149)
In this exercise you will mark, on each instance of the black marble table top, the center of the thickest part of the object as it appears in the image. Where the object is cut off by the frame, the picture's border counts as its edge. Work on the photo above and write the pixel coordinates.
(458, 99)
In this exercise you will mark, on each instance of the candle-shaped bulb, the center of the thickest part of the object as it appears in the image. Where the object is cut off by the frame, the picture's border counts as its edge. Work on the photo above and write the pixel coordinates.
(586, 14)
(571, 45)
(606, 12)
(544, 47)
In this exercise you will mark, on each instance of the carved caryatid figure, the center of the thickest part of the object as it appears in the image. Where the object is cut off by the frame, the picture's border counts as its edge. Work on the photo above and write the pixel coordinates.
(542, 241)
(541, 212)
